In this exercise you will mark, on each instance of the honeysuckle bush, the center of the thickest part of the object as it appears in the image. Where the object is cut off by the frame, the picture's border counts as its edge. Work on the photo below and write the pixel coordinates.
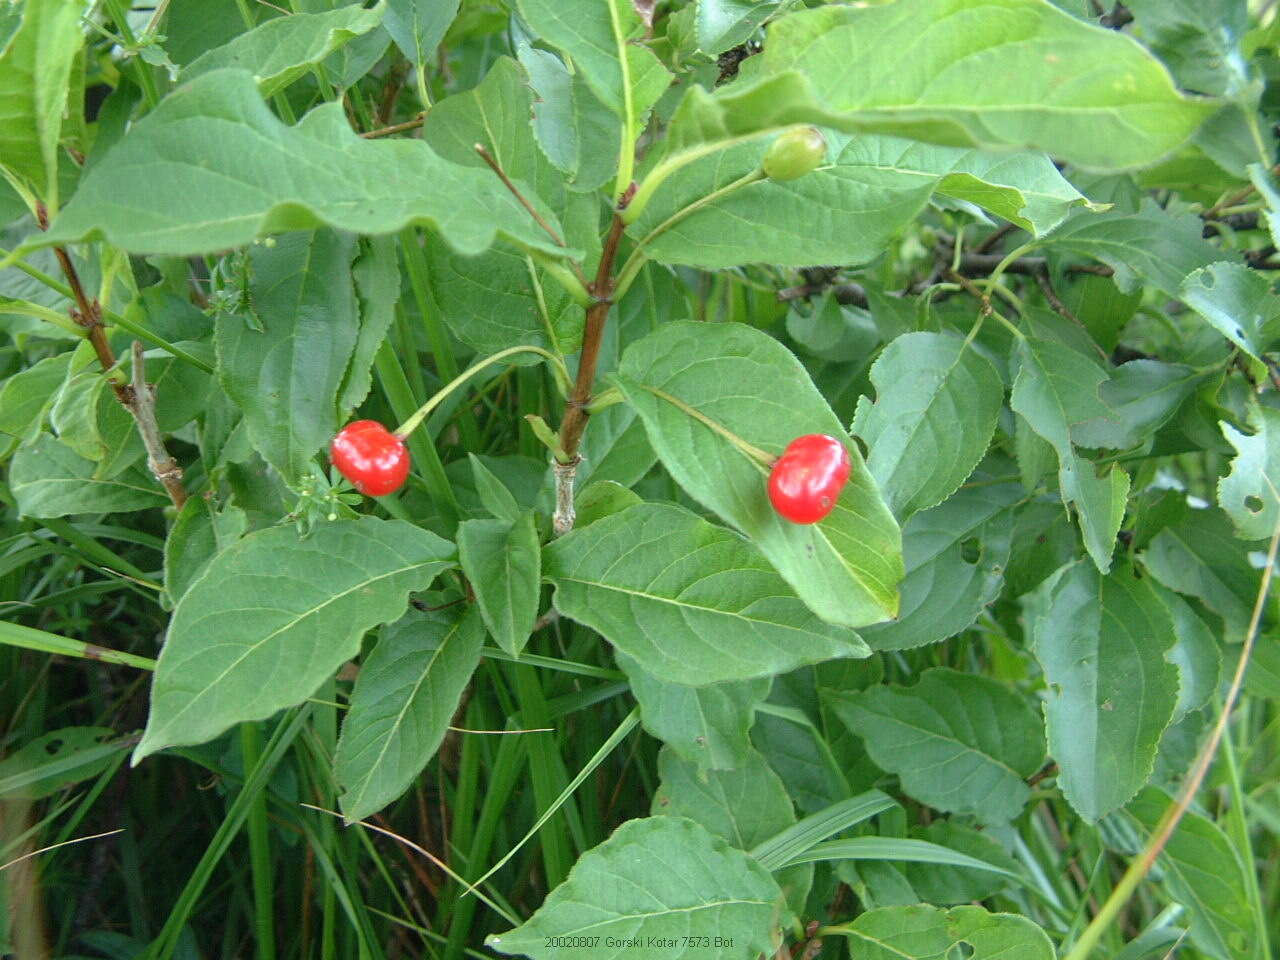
(603, 260)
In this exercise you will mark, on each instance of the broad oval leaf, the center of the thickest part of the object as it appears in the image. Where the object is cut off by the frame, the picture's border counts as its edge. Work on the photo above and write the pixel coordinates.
(404, 698)
(212, 167)
(275, 615)
(49, 479)
(1237, 302)
(937, 400)
(687, 599)
(418, 26)
(1103, 642)
(651, 892)
(958, 742)
(1250, 493)
(845, 568)
(503, 564)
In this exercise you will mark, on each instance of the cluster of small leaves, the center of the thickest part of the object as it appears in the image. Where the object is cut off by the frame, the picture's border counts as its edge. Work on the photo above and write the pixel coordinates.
(1029, 287)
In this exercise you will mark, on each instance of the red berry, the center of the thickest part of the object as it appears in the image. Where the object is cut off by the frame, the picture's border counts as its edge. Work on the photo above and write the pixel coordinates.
(372, 457)
(808, 477)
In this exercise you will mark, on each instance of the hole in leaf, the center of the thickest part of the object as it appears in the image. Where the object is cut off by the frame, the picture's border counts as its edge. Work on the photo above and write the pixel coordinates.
(1207, 280)
(52, 747)
(1253, 504)
(970, 550)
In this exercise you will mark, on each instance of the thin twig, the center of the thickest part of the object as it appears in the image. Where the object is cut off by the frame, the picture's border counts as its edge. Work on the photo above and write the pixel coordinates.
(64, 843)
(143, 407)
(413, 124)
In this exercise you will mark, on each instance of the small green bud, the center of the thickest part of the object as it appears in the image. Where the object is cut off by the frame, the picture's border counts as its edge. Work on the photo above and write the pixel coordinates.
(794, 154)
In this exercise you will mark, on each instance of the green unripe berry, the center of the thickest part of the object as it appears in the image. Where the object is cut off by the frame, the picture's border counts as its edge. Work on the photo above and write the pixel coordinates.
(794, 154)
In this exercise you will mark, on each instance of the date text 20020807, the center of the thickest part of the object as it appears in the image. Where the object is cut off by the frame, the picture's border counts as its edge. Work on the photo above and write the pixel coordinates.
(638, 943)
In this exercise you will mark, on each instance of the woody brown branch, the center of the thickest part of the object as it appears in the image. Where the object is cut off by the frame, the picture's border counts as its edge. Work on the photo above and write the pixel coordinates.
(137, 399)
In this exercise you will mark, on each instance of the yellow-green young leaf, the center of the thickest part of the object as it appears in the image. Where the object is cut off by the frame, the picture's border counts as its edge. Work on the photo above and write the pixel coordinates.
(283, 49)
(687, 599)
(937, 400)
(212, 167)
(847, 567)
(1057, 389)
(1103, 642)
(922, 932)
(745, 807)
(49, 479)
(283, 360)
(653, 891)
(406, 694)
(1202, 870)
(35, 73)
(957, 741)
(708, 726)
(503, 563)
(273, 616)
(1250, 493)
(1237, 302)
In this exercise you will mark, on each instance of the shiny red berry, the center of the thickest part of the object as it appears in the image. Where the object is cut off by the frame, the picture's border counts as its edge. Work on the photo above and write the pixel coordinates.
(372, 457)
(808, 477)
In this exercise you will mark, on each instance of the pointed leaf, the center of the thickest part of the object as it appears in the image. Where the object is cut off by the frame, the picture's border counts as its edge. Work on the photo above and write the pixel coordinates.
(922, 932)
(178, 182)
(377, 276)
(275, 615)
(1103, 642)
(687, 599)
(1237, 302)
(937, 400)
(958, 742)
(502, 562)
(1250, 493)
(49, 479)
(418, 26)
(845, 568)
(404, 698)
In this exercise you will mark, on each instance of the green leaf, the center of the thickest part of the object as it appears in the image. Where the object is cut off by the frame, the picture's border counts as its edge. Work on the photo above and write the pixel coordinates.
(603, 498)
(596, 35)
(501, 297)
(845, 568)
(687, 599)
(663, 879)
(1196, 655)
(1104, 643)
(1237, 302)
(943, 884)
(707, 726)
(199, 533)
(493, 493)
(1056, 389)
(1202, 871)
(745, 807)
(1015, 73)
(418, 26)
(377, 277)
(283, 49)
(937, 400)
(503, 564)
(957, 741)
(1141, 396)
(404, 699)
(1250, 493)
(285, 373)
(49, 479)
(1200, 557)
(722, 24)
(843, 212)
(1151, 247)
(57, 759)
(26, 396)
(1199, 41)
(900, 849)
(275, 615)
(956, 554)
(35, 74)
(178, 182)
(929, 933)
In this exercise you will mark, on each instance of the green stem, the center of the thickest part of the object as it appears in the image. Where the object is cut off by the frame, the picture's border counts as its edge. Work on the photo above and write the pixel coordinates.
(637, 258)
(15, 635)
(629, 134)
(259, 849)
(411, 424)
(146, 80)
(396, 386)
